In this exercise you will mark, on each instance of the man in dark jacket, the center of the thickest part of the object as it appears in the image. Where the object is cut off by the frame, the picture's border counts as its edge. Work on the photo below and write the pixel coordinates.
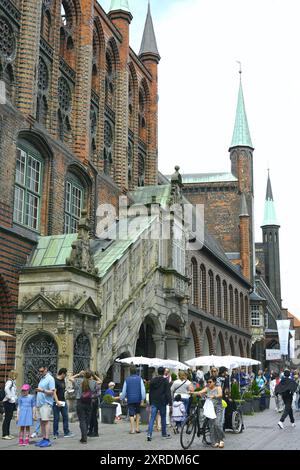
(159, 397)
(134, 390)
(286, 388)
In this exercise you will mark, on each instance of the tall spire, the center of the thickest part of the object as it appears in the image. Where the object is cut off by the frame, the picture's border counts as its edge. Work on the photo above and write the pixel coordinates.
(241, 134)
(119, 5)
(270, 213)
(149, 44)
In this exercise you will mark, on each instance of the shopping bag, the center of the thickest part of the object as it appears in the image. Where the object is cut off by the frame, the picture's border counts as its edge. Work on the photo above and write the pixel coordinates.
(209, 410)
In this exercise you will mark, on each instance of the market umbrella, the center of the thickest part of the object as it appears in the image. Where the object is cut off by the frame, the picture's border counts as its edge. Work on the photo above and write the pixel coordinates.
(213, 361)
(243, 361)
(169, 363)
(137, 361)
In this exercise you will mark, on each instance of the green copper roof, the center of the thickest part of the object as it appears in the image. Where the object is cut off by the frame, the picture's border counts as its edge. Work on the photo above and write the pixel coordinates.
(241, 134)
(270, 213)
(159, 194)
(52, 251)
(119, 5)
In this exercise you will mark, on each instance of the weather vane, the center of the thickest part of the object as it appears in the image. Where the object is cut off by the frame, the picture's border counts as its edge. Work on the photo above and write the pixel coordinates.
(240, 64)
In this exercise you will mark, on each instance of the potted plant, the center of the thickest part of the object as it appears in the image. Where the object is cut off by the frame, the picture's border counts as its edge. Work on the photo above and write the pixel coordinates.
(108, 410)
(268, 398)
(247, 408)
(256, 396)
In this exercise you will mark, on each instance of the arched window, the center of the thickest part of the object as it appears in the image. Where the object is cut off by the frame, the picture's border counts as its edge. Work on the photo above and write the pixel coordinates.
(81, 354)
(7, 56)
(219, 297)
(96, 61)
(46, 22)
(74, 201)
(68, 23)
(211, 293)
(110, 79)
(236, 307)
(195, 283)
(242, 310)
(43, 87)
(93, 131)
(203, 287)
(225, 300)
(141, 170)
(270, 237)
(231, 306)
(28, 187)
(65, 105)
(108, 147)
(130, 103)
(246, 312)
(142, 114)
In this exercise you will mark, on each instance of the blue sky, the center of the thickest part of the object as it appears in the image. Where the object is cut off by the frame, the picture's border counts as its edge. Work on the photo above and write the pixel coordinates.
(199, 42)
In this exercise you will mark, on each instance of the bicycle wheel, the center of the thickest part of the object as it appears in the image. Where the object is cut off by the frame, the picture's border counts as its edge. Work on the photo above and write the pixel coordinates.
(237, 422)
(188, 431)
(206, 432)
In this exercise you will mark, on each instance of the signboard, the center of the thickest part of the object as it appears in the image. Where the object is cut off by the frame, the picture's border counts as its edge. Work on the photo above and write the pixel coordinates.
(292, 344)
(273, 354)
(283, 327)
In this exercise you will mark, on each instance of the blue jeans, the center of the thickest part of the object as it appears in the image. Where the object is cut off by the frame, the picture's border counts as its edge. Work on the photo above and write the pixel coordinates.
(163, 414)
(64, 412)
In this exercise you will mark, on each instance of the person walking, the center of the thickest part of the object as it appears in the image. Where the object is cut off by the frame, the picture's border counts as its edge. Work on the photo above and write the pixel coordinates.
(286, 388)
(214, 392)
(279, 405)
(183, 386)
(93, 426)
(44, 403)
(85, 387)
(159, 398)
(9, 404)
(25, 414)
(134, 390)
(60, 405)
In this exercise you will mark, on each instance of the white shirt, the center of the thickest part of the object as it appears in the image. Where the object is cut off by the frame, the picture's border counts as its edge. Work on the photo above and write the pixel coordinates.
(10, 391)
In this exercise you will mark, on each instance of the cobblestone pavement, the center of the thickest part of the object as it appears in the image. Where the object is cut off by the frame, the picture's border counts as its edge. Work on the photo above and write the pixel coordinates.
(261, 433)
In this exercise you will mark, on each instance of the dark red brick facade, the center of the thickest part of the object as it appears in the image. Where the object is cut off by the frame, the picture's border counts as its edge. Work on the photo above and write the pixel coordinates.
(86, 103)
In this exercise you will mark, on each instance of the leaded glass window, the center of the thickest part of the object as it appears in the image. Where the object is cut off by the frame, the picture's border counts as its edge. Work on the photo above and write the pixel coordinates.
(43, 85)
(255, 315)
(28, 189)
(73, 204)
(108, 146)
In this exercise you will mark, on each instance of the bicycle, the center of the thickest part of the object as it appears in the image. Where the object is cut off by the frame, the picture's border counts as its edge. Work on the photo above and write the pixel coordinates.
(234, 417)
(195, 422)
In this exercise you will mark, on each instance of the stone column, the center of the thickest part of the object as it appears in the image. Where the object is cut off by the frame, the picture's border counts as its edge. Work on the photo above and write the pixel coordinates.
(160, 341)
(183, 345)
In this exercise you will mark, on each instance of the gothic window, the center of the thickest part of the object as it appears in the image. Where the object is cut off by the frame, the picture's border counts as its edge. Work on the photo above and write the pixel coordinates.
(236, 307)
(43, 85)
(130, 161)
(96, 58)
(109, 80)
(231, 306)
(211, 293)
(246, 312)
(65, 103)
(108, 147)
(194, 275)
(270, 237)
(141, 170)
(219, 297)
(142, 114)
(93, 130)
(203, 287)
(225, 300)
(28, 188)
(74, 199)
(46, 21)
(242, 310)
(130, 103)
(81, 354)
(68, 21)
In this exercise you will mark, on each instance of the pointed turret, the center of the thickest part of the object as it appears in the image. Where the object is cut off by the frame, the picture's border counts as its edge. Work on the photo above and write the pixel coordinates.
(119, 9)
(241, 134)
(149, 47)
(270, 230)
(270, 218)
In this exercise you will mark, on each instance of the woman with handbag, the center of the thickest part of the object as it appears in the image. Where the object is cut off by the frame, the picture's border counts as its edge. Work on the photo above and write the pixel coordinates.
(9, 404)
(213, 410)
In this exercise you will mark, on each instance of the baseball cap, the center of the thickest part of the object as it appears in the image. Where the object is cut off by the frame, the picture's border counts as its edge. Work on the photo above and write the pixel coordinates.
(25, 387)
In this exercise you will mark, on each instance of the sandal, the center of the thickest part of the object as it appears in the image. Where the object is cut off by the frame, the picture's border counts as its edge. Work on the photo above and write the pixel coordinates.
(221, 445)
(138, 432)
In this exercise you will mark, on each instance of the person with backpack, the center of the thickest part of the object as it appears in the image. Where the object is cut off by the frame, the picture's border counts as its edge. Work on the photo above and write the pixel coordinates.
(134, 391)
(9, 399)
(286, 388)
(85, 389)
(159, 398)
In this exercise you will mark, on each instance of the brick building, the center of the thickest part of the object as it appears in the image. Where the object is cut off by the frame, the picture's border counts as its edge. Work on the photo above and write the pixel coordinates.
(78, 123)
